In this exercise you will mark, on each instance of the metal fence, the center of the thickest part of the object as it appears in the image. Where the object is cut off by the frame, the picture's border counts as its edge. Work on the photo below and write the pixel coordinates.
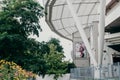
(107, 72)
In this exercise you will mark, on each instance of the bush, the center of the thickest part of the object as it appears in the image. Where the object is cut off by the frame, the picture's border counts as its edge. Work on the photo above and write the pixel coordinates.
(12, 71)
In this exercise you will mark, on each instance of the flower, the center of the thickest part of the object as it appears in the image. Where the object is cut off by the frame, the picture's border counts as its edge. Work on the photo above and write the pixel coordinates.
(11, 69)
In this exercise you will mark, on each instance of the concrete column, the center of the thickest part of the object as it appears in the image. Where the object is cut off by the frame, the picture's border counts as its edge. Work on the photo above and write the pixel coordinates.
(94, 39)
(101, 31)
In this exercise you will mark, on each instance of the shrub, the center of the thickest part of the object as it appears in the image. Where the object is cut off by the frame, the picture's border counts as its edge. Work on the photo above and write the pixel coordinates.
(12, 71)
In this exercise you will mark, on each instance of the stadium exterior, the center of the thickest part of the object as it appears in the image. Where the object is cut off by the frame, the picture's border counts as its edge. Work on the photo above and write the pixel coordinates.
(94, 28)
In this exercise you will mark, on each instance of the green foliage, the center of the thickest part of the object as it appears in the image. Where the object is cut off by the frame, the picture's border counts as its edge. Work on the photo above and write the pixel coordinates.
(11, 71)
(18, 20)
(44, 46)
(21, 17)
(56, 42)
(69, 66)
(55, 63)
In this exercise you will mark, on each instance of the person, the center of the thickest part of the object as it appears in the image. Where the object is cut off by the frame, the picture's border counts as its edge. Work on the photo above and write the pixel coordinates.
(81, 50)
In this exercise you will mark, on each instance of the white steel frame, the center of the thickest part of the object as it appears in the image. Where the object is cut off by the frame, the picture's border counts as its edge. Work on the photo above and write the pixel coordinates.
(81, 31)
(79, 26)
(100, 31)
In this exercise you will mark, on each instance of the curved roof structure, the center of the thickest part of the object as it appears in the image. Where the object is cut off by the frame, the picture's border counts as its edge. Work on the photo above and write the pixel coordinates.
(61, 21)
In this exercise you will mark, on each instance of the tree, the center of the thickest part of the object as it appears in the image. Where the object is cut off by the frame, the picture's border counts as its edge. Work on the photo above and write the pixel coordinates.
(18, 20)
(12, 71)
(53, 60)
(69, 66)
(21, 17)
(56, 42)
(44, 46)
(55, 63)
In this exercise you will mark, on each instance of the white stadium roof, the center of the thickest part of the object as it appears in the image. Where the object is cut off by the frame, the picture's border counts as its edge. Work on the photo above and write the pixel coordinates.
(60, 20)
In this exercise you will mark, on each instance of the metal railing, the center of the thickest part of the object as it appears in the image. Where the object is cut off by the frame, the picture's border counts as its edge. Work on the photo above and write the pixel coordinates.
(107, 72)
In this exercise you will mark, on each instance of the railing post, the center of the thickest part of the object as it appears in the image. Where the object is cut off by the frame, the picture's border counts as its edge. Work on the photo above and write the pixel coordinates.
(119, 69)
(108, 71)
